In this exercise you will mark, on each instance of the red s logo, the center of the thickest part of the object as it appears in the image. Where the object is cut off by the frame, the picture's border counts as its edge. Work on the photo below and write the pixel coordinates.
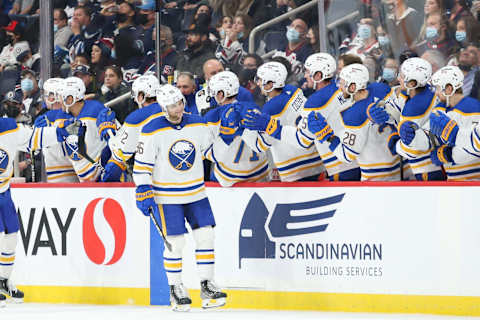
(104, 217)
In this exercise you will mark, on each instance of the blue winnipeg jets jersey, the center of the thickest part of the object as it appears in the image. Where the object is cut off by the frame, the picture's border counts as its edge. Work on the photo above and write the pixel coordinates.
(170, 158)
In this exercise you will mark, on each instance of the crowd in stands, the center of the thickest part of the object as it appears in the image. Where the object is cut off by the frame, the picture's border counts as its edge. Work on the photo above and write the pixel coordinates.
(109, 43)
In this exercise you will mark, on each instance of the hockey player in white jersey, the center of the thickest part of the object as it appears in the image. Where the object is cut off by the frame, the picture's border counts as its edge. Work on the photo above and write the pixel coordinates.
(415, 144)
(168, 173)
(14, 137)
(124, 143)
(283, 108)
(233, 160)
(360, 139)
(57, 165)
(454, 111)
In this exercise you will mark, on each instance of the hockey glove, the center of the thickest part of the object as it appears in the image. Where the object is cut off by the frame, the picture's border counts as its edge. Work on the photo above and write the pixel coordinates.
(392, 142)
(377, 114)
(69, 127)
(256, 120)
(42, 121)
(229, 123)
(407, 132)
(441, 155)
(106, 123)
(113, 171)
(318, 126)
(444, 127)
(145, 199)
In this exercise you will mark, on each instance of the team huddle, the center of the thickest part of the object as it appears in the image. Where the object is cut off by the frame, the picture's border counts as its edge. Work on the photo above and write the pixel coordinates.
(348, 129)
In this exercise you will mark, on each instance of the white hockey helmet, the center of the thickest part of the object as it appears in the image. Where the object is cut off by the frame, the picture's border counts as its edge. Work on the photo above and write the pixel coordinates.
(449, 75)
(72, 87)
(417, 69)
(323, 63)
(354, 74)
(226, 82)
(51, 90)
(168, 95)
(273, 72)
(148, 85)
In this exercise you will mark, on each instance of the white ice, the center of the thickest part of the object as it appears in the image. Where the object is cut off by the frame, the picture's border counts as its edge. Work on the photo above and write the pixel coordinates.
(33, 311)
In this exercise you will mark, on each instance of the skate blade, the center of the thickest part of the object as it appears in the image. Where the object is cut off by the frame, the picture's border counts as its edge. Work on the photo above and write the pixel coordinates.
(3, 304)
(15, 300)
(181, 308)
(213, 303)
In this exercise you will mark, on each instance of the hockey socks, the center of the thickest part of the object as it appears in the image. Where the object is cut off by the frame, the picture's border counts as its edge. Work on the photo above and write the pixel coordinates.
(8, 243)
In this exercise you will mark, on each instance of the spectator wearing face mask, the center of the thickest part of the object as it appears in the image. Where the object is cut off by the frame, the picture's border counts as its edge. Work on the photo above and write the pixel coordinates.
(467, 31)
(384, 41)
(30, 91)
(246, 76)
(365, 43)
(438, 36)
(297, 42)
(168, 56)
(390, 72)
(146, 21)
(14, 31)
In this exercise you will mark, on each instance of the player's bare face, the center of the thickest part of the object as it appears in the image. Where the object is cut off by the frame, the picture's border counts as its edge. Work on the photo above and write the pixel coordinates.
(309, 79)
(175, 112)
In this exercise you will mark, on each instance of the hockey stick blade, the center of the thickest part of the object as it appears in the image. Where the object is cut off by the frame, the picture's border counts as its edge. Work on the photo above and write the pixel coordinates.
(157, 226)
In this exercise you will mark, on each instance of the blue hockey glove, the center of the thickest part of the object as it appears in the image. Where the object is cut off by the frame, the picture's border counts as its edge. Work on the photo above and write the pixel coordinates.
(113, 171)
(444, 127)
(376, 114)
(145, 199)
(441, 155)
(106, 123)
(319, 127)
(392, 142)
(256, 120)
(229, 124)
(69, 127)
(41, 121)
(407, 132)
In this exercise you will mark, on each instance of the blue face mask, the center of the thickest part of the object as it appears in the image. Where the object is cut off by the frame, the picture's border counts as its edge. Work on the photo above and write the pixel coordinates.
(113, 54)
(431, 33)
(389, 74)
(364, 31)
(222, 33)
(55, 28)
(383, 41)
(240, 35)
(292, 35)
(460, 36)
(27, 85)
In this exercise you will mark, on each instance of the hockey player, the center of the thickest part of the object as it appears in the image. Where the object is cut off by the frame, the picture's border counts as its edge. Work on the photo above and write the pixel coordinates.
(454, 111)
(85, 112)
(283, 108)
(360, 139)
(15, 137)
(57, 165)
(124, 144)
(168, 173)
(415, 144)
(233, 161)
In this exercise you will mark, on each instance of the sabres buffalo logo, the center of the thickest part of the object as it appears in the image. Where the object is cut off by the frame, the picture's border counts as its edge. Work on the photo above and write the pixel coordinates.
(71, 147)
(3, 161)
(182, 155)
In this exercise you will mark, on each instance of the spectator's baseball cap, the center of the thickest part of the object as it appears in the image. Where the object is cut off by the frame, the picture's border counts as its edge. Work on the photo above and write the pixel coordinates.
(147, 5)
(81, 69)
(20, 50)
(15, 96)
(15, 27)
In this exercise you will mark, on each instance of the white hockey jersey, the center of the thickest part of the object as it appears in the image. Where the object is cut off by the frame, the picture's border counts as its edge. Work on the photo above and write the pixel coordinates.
(170, 158)
(14, 137)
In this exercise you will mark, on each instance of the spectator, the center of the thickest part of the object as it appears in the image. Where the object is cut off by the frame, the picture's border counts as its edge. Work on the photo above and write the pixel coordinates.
(83, 72)
(468, 63)
(246, 76)
(128, 53)
(197, 51)
(390, 72)
(365, 43)
(430, 7)
(186, 84)
(101, 57)
(384, 41)
(460, 9)
(62, 31)
(436, 59)
(125, 19)
(468, 30)
(146, 19)
(347, 59)
(114, 87)
(235, 44)
(252, 61)
(313, 38)
(30, 91)
(85, 33)
(168, 56)
(298, 46)
(438, 36)
(14, 32)
(24, 56)
(224, 24)
(22, 7)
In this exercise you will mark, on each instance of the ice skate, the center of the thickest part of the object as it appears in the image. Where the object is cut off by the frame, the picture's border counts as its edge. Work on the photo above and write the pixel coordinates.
(2, 300)
(211, 296)
(9, 289)
(179, 298)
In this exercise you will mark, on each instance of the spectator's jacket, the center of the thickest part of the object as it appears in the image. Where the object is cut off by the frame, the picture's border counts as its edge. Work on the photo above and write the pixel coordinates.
(193, 61)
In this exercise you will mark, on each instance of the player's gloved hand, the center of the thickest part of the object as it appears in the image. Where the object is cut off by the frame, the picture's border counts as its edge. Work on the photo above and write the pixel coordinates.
(69, 127)
(317, 125)
(145, 199)
(41, 121)
(106, 123)
(392, 142)
(377, 114)
(441, 155)
(113, 171)
(256, 120)
(229, 124)
(407, 131)
(443, 127)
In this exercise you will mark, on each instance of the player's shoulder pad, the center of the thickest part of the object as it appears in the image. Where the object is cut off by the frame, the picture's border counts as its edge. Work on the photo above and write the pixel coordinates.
(468, 105)
(155, 125)
(379, 89)
(7, 124)
(52, 115)
(193, 119)
(91, 109)
(356, 115)
(138, 116)
(277, 104)
(321, 97)
(419, 104)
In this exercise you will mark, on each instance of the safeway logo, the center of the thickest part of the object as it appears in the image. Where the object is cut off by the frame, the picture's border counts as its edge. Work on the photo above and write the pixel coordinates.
(259, 229)
(104, 231)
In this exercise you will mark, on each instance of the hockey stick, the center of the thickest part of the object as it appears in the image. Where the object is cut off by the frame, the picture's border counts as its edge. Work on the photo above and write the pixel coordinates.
(155, 222)
(82, 150)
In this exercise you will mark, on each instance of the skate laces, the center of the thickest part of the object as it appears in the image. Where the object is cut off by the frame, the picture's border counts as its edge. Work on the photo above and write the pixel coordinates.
(10, 286)
(211, 286)
(180, 291)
